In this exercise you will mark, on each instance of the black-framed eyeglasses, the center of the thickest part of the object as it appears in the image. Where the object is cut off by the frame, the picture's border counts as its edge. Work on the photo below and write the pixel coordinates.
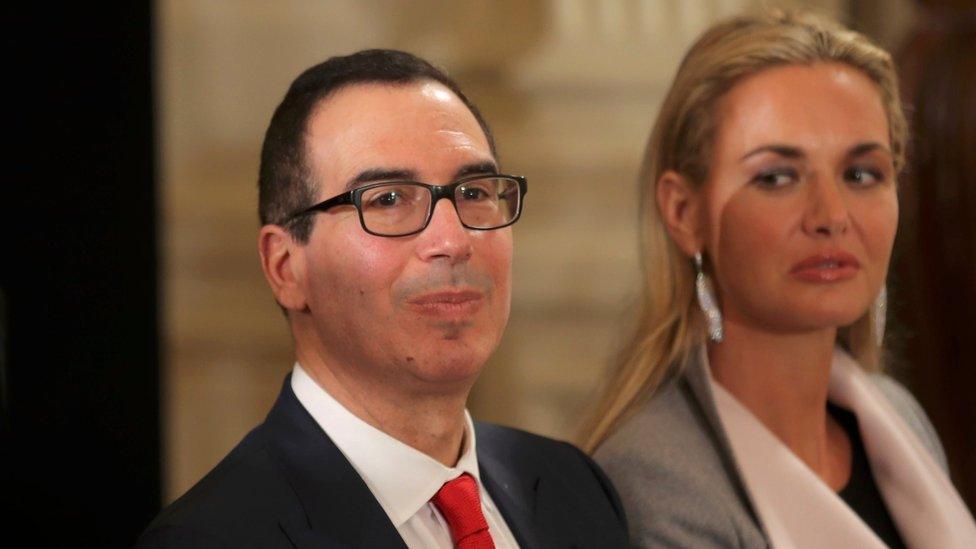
(401, 208)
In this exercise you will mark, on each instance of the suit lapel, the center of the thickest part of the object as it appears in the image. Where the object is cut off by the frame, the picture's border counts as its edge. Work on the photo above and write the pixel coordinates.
(339, 507)
(516, 506)
(698, 378)
(518, 492)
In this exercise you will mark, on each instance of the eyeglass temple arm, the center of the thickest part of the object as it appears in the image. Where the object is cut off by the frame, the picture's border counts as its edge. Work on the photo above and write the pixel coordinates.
(341, 200)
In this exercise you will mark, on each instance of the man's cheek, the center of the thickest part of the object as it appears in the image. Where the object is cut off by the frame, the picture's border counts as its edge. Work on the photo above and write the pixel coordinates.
(500, 265)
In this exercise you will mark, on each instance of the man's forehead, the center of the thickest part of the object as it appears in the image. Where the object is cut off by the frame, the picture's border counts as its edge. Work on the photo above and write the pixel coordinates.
(414, 127)
(402, 107)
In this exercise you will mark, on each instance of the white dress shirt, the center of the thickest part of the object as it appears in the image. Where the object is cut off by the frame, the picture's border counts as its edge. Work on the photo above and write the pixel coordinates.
(402, 479)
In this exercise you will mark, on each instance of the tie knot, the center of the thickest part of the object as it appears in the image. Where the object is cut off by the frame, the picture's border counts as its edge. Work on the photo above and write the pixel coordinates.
(460, 504)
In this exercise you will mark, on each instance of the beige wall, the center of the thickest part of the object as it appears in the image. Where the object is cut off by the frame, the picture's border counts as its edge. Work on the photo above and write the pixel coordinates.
(570, 87)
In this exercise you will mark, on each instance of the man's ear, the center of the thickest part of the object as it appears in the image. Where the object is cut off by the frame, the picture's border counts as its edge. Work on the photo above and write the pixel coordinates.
(681, 210)
(282, 259)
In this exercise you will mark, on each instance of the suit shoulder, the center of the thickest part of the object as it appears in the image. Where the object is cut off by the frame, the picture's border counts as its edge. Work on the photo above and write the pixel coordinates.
(667, 430)
(237, 502)
(574, 485)
(666, 443)
(499, 436)
(529, 451)
(675, 483)
(523, 447)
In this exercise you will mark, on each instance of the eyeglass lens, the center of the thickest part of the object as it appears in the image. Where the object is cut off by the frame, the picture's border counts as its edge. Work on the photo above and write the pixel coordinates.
(403, 208)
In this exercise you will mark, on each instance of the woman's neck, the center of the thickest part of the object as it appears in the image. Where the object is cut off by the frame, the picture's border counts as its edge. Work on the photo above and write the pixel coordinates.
(782, 379)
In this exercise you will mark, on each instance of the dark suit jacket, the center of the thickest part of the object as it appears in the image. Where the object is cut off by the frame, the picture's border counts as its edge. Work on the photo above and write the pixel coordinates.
(287, 485)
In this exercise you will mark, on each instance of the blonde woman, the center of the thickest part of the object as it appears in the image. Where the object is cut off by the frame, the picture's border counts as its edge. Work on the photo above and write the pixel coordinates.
(748, 409)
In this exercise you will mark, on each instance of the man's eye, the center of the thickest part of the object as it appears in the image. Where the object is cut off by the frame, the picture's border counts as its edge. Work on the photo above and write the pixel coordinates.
(386, 200)
(774, 179)
(474, 193)
(862, 176)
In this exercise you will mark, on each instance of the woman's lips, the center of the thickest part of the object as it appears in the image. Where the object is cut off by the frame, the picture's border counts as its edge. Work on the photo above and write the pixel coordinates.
(827, 267)
(448, 303)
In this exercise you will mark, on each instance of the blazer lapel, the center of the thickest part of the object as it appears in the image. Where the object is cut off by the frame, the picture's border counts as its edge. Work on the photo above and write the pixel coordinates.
(516, 495)
(698, 377)
(921, 498)
(339, 508)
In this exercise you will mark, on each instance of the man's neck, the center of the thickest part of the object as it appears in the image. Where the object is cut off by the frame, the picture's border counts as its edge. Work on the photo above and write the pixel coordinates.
(783, 380)
(432, 423)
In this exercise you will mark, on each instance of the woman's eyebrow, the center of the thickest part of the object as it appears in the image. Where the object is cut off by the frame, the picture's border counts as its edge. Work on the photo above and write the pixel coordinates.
(864, 148)
(788, 151)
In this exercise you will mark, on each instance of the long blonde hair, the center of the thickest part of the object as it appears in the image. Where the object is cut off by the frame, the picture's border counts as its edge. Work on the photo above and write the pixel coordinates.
(670, 325)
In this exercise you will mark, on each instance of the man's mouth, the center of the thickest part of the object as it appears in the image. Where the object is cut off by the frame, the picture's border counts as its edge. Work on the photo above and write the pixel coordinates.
(448, 303)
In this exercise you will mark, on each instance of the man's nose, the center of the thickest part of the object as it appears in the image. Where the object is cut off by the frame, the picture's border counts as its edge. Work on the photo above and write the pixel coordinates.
(827, 212)
(445, 237)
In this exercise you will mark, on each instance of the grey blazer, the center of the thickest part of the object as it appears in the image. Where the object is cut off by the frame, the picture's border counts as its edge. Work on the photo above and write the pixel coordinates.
(673, 468)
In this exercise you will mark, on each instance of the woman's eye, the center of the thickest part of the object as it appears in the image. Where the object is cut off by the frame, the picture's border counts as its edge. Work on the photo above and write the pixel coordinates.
(862, 176)
(775, 178)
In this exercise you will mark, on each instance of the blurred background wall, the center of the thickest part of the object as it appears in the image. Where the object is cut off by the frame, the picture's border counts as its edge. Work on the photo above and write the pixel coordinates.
(570, 87)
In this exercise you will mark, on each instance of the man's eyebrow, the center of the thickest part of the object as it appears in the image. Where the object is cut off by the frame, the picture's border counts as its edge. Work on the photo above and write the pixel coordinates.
(865, 148)
(782, 150)
(379, 174)
(387, 174)
(478, 168)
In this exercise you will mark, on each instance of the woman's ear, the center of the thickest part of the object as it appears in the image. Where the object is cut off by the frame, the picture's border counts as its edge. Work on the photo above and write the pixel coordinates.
(282, 261)
(681, 210)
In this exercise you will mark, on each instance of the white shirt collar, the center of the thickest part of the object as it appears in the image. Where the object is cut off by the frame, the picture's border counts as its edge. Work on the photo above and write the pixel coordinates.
(402, 478)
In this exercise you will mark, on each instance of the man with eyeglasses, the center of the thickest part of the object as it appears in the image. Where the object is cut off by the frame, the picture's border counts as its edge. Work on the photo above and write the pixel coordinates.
(387, 241)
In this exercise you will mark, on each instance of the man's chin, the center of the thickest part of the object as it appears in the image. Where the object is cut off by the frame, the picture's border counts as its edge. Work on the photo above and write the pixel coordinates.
(448, 377)
(452, 363)
(453, 330)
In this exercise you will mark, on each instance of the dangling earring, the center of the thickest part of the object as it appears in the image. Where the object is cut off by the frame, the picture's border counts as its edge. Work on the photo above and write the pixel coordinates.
(880, 315)
(707, 302)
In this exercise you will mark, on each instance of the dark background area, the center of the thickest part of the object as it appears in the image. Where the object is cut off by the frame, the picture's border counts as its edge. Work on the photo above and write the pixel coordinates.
(934, 268)
(80, 365)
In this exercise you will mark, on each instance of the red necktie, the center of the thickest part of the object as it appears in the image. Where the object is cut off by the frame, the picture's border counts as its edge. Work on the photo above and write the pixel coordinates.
(460, 505)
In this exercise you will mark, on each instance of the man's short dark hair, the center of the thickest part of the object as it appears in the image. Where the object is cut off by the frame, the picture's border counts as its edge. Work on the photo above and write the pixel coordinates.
(285, 184)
